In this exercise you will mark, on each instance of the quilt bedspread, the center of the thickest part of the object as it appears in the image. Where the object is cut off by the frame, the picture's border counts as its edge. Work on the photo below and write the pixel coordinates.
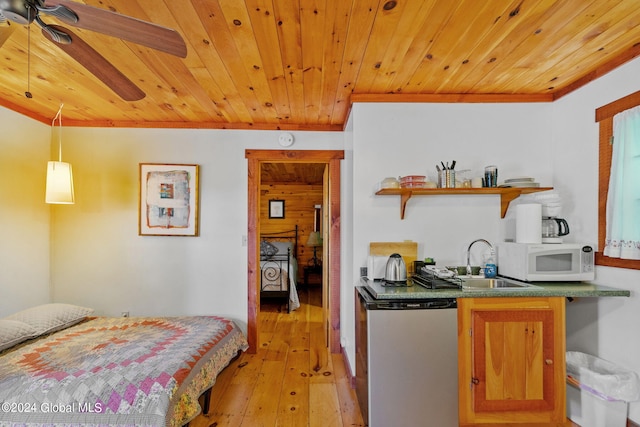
(117, 372)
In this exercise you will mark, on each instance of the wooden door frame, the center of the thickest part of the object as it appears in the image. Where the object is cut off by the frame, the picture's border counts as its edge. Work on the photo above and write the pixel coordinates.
(255, 159)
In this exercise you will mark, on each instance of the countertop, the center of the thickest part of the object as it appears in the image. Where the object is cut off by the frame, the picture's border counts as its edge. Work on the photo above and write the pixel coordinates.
(545, 289)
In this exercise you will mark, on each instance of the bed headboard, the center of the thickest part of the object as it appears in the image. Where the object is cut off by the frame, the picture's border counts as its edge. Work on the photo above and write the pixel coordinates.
(284, 236)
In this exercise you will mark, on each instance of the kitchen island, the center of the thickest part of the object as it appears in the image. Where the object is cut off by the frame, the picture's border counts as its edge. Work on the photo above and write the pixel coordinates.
(511, 346)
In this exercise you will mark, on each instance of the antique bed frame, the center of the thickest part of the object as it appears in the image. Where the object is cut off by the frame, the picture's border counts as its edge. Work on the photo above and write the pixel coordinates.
(272, 268)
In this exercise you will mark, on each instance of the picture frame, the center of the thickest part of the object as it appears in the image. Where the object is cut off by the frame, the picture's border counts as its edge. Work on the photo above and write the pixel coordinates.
(276, 209)
(168, 202)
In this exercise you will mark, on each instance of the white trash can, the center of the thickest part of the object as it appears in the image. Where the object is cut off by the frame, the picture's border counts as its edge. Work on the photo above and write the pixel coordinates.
(598, 391)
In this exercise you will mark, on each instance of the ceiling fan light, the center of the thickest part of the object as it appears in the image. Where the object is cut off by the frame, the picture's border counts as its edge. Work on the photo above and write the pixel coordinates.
(59, 188)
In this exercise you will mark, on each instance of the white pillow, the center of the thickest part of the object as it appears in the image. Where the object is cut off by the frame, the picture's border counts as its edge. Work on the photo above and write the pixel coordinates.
(48, 318)
(13, 332)
(283, 247)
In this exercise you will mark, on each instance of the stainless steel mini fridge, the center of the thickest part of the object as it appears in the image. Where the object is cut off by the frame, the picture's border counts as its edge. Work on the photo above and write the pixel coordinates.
(406, 361)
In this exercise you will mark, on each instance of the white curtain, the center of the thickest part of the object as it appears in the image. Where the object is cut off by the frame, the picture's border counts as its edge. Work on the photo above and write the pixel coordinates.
(623, 201)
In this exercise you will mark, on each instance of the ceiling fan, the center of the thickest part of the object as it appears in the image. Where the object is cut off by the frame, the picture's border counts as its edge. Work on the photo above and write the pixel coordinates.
(103, 21)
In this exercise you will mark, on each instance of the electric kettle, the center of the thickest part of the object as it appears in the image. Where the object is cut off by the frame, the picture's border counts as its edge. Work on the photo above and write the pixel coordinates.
(553, 229)
(396, 270)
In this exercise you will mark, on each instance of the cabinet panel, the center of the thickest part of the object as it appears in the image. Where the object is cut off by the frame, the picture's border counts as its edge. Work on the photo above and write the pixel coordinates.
(511, 360)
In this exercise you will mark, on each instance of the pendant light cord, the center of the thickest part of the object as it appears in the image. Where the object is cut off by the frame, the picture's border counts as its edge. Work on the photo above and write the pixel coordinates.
(28, 92)
(53, 122)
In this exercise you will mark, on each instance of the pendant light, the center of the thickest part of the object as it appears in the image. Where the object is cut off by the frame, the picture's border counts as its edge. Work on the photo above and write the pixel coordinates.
(59, 174)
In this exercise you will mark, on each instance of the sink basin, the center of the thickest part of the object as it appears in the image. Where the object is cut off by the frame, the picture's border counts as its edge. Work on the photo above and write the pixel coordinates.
(498, 284)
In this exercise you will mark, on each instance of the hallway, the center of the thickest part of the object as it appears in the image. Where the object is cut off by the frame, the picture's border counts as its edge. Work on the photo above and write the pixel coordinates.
(291, 380)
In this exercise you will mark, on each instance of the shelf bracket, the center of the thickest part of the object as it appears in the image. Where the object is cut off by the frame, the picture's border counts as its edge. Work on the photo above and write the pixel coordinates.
(506, 197)
(404, 198)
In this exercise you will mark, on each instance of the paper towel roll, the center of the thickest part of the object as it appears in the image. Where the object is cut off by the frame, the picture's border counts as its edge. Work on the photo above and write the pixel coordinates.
(529, 223)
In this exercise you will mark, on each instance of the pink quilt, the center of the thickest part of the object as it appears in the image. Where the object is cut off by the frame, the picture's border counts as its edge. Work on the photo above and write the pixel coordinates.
(117, 372)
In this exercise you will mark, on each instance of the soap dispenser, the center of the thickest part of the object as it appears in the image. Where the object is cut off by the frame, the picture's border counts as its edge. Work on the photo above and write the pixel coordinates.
(490, 269)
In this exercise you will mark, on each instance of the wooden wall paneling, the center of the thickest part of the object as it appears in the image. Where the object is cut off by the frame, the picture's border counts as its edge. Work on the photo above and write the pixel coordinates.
(292, 65)
(299, 202)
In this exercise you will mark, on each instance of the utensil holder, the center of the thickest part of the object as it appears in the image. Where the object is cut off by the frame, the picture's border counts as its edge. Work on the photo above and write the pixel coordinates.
(491, 176)
(447, 178)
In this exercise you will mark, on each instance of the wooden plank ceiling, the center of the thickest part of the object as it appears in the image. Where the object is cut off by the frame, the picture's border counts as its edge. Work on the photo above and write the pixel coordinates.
(298, 64)
(292, 172)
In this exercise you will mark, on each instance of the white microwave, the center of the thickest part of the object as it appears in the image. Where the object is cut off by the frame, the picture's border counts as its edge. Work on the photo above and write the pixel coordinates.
(546, 262)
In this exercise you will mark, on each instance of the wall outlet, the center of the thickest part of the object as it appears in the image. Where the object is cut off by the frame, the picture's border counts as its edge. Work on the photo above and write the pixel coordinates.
(363, 271)
(125, 314)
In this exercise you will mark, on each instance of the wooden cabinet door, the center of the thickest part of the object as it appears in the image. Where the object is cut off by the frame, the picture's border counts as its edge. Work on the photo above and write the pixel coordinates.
(513, 355)
(509, 352)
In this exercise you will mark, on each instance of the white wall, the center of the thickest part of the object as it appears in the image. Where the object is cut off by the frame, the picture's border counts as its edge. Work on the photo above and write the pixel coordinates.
(605, 327)
(24, 217)
(100, 261)
(405, 139)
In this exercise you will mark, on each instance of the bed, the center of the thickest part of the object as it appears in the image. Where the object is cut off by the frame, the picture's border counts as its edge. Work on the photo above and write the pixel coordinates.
(62, 369)
(279, 268)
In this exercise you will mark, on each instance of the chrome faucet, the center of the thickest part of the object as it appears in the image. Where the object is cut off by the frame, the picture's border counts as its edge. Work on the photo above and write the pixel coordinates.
(469, 252)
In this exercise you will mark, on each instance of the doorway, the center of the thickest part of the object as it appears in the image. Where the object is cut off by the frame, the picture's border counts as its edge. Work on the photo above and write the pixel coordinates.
(331, 251)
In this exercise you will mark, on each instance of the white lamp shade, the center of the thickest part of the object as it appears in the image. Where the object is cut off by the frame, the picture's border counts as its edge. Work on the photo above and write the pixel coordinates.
(59, 183)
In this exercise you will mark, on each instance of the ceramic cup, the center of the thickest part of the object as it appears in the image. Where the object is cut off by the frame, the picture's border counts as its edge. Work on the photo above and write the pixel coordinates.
(476, 182)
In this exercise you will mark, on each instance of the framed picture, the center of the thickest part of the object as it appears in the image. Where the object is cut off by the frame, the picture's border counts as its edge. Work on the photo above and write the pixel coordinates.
(168, 204)
(276, 209)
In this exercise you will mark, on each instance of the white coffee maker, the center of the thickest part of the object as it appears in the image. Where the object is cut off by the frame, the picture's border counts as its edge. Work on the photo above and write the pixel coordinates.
(553, 227)
(526, 224)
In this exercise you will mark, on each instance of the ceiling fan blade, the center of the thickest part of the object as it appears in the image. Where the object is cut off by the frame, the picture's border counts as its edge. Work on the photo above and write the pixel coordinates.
(98, 65)
(124, 27)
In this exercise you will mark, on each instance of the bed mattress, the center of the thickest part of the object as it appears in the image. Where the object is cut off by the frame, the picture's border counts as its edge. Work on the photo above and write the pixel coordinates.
(116, 372)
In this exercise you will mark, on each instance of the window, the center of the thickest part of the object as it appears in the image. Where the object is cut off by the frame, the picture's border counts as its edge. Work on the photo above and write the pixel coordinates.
(605, 116)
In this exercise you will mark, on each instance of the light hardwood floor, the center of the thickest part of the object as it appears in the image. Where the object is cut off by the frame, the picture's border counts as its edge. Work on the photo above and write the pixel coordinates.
(292, 380)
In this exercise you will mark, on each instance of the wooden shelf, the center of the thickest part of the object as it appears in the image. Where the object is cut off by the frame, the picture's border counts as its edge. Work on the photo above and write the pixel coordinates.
(507, 194)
